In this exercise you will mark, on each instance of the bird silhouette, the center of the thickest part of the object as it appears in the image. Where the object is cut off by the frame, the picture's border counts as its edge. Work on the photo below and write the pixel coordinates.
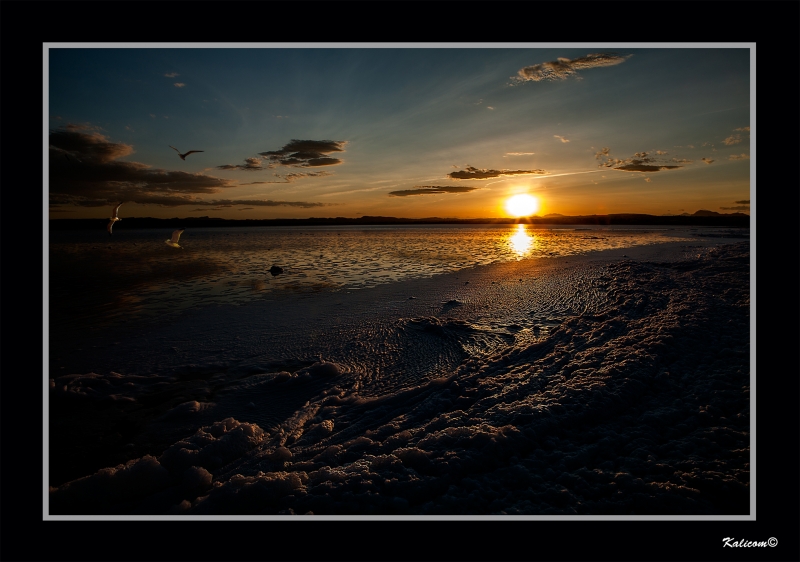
(176, 234)
(185, 154)
(114, 217)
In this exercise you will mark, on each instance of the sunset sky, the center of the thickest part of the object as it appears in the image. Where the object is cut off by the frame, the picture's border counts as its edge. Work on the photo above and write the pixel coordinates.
(396, 130)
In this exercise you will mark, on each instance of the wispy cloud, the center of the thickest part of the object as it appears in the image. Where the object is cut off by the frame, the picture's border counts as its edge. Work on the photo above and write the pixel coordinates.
(562, 68)
(472, 173)
(250, 165)
(519, 154)
(432, 190)
(179, 84)
(288, 178)
(639, 162)
(562, 139)
(736, 138)
(707, 160)
(306, 153)
(171, 74)
(739, 157)
(264, 203)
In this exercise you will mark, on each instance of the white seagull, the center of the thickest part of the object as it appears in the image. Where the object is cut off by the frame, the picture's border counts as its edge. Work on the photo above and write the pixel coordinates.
(114, 218)
(176, 234)
(185, 154)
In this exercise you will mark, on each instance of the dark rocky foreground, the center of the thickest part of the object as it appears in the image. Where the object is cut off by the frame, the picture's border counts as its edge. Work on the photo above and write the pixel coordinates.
(636, 405)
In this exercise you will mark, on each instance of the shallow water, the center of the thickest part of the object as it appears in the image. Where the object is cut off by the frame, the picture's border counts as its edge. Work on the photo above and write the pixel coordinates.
(97, 280)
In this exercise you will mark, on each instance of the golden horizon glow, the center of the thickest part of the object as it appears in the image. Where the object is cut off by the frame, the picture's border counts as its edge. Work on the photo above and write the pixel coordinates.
(522, 205)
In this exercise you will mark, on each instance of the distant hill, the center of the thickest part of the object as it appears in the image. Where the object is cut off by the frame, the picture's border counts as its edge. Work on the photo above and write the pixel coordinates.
(704, 213)
(700, 218)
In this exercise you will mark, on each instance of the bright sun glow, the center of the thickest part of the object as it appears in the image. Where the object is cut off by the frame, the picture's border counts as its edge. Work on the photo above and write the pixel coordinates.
(522, 205)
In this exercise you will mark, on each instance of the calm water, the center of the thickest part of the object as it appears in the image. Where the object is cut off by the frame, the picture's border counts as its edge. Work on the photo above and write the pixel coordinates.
(99, 279)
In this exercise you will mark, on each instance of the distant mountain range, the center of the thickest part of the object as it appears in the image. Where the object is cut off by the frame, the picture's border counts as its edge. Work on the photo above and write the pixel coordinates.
(700, 218)
(704, 213)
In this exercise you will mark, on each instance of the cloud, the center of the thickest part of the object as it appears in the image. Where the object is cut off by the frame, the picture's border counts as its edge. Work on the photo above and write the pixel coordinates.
(635, 167)
(250, 164)
(432, 190)
(562, 68)
(743, 202)
(472, 173)
(518, 154)
(288, 178)
(739, 157)
(737, 137)
(639, 162)
(648, 180)
(297, 175)
(661, 152)
(92, 175)
(265, 203)
(306, 153)
(179, 84)
(87, 143)
(707, 160)
(739, 208)
(171, 74)
(562, 139)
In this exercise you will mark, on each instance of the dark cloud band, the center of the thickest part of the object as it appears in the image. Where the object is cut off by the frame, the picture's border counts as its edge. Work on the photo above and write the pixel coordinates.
(432, 190)
(472, 173)
(306, 153)
(92, 176)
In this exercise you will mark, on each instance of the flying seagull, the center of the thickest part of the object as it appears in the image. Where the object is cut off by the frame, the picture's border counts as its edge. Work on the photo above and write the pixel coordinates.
(185, 154)
(176, 234)
(114, 218)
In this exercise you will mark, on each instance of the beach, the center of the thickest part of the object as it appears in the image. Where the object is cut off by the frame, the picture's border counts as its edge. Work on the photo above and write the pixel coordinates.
(610, 383)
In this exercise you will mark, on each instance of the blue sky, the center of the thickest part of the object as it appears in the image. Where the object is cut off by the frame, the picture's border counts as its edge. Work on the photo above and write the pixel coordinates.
(293, 131)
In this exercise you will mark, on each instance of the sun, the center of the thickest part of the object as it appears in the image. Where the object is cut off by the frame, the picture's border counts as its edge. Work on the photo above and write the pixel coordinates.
(522, 205)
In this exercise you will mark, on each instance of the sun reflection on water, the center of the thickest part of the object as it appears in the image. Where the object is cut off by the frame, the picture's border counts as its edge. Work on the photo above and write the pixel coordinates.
(521, 242)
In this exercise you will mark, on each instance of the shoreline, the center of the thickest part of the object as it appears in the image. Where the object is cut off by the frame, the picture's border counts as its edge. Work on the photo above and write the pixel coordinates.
(701, 218)
(293, 312)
